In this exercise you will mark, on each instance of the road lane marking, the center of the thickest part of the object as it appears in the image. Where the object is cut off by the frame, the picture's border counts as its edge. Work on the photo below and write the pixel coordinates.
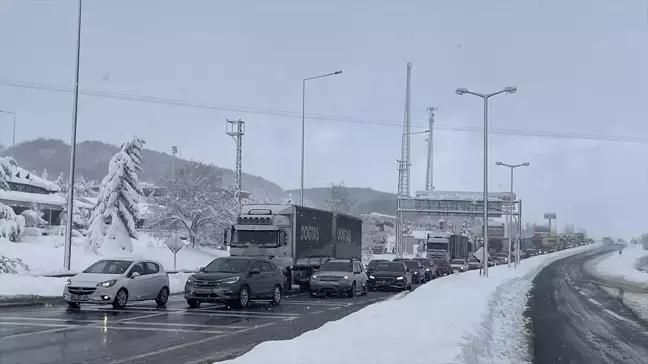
(262, 313)
(191, 343)
(109, 327)
(241, 314)
(120, 322)
(35, 332)
(316, 312)
(317, 303)
(334, 308)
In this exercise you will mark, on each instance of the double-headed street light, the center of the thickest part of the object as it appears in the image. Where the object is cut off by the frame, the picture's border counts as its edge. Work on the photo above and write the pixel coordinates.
(510, 216)
(13, 145)
(303, 124)
(463, 91)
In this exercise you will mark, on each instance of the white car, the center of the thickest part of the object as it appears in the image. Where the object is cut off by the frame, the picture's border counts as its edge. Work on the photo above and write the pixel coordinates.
(118, 281)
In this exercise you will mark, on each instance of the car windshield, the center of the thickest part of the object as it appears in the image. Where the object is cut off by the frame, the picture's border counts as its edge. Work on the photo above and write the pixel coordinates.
(411, 264)
(473, 261)
(424, 262)
(109, 267)
(255, 239)
(457, 261)
(336, 267)
(374, 263)
(390, 267)
(227, 265)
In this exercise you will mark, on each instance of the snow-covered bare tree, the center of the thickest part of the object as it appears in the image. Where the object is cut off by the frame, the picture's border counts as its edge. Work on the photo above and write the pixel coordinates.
(60, 181)
(7, 165)
(115, 215)
(12, 227)
(340, 200)
(44, 174)
(194, 203)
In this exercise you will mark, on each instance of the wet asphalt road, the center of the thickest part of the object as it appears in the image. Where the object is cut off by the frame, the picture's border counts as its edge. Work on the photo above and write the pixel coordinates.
(576, 322)
(142, 333)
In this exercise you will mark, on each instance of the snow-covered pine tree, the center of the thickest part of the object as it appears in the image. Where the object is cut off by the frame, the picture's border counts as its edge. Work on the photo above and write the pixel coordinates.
(44, 174)
(115, 215)
(134, 150)
(7, 164)
(60, 181)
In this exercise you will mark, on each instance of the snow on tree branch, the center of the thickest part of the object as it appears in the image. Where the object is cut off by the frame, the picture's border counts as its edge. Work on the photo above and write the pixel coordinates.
(194, 203)
(115, 215)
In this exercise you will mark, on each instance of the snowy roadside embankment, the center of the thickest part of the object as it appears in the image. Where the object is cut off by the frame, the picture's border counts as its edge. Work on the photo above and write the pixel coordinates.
(44, 255)
(622, 267)
(462, 318)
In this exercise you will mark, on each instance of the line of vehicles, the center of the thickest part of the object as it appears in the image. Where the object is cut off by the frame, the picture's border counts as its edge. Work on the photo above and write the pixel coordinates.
(273, 249)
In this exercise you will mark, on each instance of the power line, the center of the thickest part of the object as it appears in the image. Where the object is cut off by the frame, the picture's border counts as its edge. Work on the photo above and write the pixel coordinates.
(292, 114)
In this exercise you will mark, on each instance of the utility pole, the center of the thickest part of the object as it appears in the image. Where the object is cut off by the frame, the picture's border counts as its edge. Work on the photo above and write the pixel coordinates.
(429, 175)
(236, 129)
(67, 258)
(399, 212)
(404, 181)
(174, 151)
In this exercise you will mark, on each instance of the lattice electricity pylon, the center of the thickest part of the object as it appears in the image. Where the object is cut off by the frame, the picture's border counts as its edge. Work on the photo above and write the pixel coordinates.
(404, 181)
(429, 175)
(236, 129)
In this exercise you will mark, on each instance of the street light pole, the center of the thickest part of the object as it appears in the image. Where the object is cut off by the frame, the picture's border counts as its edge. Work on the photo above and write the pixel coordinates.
(510, 214)
(13, 145)
(70, 201)
(303, 132)
(463, 91)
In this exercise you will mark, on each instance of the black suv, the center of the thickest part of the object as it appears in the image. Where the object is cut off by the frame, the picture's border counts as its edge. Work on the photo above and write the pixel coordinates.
(417, 270)
(430, 272)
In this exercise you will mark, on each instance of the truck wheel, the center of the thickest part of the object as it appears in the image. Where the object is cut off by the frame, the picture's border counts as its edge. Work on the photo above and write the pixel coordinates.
(353, 290)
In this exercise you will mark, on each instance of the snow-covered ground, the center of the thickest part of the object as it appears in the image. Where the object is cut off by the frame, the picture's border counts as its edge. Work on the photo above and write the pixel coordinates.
(462, 318)
(623, 267)
(44, 255)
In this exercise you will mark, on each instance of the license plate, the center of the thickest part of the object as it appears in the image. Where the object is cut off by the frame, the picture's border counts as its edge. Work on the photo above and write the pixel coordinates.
(203, 291)
(76, 297)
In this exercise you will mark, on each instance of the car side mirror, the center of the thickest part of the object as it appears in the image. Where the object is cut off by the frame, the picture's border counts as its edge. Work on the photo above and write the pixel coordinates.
(254, 271)
(134, 275)
(407, 270)
(201, 269)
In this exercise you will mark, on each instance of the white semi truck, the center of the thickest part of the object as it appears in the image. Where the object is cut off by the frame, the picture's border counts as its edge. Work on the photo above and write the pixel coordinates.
(299, 239)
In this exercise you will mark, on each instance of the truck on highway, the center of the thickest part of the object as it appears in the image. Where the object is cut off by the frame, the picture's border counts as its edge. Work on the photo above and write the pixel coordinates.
(297, 238)
(442, 247)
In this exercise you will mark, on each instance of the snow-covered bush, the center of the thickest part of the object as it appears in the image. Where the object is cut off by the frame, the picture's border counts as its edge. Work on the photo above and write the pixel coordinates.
(113, 217)
(33, 218)
(12, 265)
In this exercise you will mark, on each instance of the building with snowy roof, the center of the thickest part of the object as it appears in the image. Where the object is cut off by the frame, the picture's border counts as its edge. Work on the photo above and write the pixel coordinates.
(27, 189)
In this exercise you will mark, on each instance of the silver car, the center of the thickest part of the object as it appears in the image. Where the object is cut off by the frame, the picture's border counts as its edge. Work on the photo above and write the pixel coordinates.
(118, 281)
(339, 276)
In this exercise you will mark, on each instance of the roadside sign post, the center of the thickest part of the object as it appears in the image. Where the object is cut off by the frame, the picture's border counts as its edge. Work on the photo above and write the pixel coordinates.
(175, 244)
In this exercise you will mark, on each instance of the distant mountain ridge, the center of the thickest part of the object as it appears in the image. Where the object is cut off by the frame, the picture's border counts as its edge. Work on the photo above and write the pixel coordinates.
(92, 158)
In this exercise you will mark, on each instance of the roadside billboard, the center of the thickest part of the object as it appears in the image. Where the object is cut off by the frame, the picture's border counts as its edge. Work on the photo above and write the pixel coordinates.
(550, 215)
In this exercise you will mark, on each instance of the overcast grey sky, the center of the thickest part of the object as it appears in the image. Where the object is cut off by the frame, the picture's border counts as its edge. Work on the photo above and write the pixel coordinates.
(580, 67)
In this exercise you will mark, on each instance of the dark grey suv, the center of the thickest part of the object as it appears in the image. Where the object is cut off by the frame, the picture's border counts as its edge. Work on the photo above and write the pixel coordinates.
(235, 281)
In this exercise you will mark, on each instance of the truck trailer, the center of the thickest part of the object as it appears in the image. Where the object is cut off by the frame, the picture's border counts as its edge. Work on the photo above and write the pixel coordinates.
(297, 238)
(442, 247)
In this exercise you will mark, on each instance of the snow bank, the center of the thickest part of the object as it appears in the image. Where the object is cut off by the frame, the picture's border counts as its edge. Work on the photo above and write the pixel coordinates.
(460, 318)
(44, 255)
(623, 267)
(19, 285)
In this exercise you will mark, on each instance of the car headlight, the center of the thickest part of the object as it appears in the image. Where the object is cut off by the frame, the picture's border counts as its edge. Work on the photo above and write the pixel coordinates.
(109, 283)
(190, 280)
(400, 278)
(314, 277)
(427, 269)
(346, 277)
(230, 280)
(69, 282)
(372, 277)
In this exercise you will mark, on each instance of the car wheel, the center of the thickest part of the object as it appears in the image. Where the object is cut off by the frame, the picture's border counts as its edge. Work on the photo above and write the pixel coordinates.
(162, 297)
(193, 303)
(73, 304)
(276, 295)
(409, 287)
(120, 299)
(243, 297)
(353, 290)
(365, 291)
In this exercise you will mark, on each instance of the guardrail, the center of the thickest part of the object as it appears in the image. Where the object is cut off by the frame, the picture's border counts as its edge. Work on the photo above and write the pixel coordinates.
(67, 275)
